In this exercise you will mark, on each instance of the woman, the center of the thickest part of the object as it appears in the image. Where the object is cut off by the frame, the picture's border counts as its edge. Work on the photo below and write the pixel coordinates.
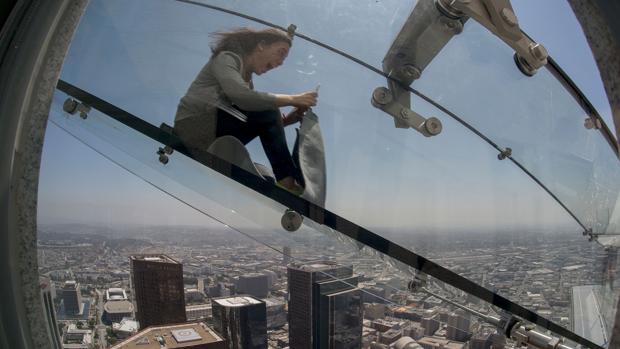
(221, 101)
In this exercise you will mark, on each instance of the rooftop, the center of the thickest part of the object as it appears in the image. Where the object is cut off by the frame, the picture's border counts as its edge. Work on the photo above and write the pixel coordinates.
(171, 337)
(118, 307)
(162, 258)
(440, 342)
(238, 301)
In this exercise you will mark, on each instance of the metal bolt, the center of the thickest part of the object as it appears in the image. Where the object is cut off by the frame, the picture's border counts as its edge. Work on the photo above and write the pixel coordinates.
(539, 51)
(291, 220)
(404, 113)
(509, 17)
(411, 71)
(70, 105)
(382, 96)
(433, 126)
(453, 25)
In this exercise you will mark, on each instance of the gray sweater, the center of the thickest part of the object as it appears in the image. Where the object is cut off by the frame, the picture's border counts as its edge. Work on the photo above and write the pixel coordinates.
(220, 84)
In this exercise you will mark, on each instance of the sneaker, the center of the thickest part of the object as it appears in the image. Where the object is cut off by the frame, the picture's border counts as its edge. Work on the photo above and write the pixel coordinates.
(294, 189)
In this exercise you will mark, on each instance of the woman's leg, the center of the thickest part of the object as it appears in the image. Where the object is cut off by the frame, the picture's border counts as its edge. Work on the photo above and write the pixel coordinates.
(268, 126)
(195, 136)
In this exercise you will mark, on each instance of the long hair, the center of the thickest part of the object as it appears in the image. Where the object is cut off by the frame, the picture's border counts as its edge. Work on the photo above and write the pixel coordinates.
(245, 40)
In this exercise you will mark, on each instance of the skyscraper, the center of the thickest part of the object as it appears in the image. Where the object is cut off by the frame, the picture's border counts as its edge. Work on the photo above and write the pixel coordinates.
(158, 290)
(325, 306)
(242, 321)
(458, 327)
(47, 290)
(72, 298)
(286, 255)
(254, 284)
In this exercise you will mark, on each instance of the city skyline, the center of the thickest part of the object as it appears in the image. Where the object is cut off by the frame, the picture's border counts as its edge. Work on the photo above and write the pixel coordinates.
(550, 266)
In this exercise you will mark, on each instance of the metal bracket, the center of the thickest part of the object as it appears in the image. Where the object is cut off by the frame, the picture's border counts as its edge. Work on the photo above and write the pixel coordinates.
(382, 98)
(418, 283)
(72, 106)
(590, 235)
(592, 123)
(499, 18)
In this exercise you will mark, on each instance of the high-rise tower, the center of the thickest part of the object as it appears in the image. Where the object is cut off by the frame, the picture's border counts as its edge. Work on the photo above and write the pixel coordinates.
(325, 306)
(157, 282)
(72, 298)
(242, 321)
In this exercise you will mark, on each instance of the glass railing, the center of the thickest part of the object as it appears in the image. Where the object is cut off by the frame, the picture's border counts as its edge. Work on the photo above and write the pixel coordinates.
(446, 197)
(259, 217)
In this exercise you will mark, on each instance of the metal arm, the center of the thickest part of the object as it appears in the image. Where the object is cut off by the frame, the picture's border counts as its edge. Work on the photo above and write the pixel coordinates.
(429, 27)
(499, 18)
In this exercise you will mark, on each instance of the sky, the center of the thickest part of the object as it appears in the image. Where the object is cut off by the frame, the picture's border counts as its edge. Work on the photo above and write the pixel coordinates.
(378, 176)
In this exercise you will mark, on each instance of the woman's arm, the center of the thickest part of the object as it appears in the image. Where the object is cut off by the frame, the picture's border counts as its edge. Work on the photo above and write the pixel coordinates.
(302, 100)
(226, 69)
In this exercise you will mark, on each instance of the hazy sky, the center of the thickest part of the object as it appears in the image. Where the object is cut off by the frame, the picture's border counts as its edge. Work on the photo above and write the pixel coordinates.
(142, 55)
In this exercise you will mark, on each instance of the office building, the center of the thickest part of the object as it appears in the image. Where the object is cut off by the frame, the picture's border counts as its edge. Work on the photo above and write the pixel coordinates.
(115, 294)
(440, 343)
(276, 312)
(286, 255)
(325, 306)
(241, 320)
(157, 282)
(75, 338)
(71, 298)
(125, 328)
(194, 296)
(196, 335)
(430, 324)
(458, 327)
(255, 284)
(198, 312)
(482, 340)
(115, 311)
(47, 300)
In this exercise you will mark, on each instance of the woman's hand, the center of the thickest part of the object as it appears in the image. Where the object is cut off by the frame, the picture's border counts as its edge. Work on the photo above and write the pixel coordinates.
(305, 100)
(294, 116)
(302, 100)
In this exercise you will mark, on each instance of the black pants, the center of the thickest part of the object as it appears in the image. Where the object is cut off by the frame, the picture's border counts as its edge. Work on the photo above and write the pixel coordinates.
(267, 125)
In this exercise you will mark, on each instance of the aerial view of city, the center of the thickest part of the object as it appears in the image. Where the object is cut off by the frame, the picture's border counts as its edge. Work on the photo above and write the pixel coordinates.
(134, 286)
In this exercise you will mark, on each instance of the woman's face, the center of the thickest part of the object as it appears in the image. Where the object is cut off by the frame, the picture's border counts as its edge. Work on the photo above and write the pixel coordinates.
(266, 57)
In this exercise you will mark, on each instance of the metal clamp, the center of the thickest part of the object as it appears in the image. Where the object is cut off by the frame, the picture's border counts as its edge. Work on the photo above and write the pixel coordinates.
(72, 106)
(163, 153)
(504, 154)
(382, 98)
(291, 30)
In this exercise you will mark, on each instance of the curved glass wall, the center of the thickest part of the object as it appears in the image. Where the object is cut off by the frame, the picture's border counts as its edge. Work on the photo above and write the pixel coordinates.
(446, 197)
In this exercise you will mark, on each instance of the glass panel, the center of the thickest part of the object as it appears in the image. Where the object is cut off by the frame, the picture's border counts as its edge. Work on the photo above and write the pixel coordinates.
(258, 217)
(447, 197)
(534, 116)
